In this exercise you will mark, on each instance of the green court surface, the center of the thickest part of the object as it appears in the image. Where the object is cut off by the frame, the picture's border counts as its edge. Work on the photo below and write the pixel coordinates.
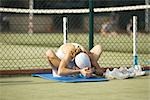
(34, 88)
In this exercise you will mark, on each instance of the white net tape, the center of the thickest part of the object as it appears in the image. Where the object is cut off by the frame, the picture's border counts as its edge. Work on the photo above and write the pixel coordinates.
(124, 8)
(61, 11)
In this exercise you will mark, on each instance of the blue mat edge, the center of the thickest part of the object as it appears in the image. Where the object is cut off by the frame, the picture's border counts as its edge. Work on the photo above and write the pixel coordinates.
(69, 79)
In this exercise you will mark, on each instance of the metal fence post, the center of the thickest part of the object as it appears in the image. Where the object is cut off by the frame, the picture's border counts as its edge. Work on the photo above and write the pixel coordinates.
(91, 24)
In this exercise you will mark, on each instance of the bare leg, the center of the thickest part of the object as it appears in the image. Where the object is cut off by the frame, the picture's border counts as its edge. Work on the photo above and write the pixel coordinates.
(53, 59)
(95, 55)
(96, 51)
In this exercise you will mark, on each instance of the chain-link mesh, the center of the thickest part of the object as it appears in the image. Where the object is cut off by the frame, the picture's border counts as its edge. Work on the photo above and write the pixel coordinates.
(21, 48)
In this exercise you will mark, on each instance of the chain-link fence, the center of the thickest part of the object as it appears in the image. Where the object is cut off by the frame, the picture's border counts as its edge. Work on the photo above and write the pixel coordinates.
(26, 35)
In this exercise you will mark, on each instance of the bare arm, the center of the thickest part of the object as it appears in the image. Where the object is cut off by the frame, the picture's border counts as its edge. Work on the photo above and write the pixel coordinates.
(97, 69)
(63, 70)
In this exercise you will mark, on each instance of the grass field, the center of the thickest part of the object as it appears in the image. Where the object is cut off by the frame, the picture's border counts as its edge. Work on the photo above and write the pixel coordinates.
(120, 43)
(32, 88)
(25, 51)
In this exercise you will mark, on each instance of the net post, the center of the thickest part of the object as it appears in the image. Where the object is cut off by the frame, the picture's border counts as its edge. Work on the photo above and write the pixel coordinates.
(91, 24)
(30, 26)
(147, 15)
(0, 19)
(65, 29)
(135, 55)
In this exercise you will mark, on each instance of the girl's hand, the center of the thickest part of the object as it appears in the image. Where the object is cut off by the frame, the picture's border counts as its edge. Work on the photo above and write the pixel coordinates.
(86, 72)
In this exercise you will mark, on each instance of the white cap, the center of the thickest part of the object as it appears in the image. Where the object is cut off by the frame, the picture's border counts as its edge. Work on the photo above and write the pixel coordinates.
(82, 60)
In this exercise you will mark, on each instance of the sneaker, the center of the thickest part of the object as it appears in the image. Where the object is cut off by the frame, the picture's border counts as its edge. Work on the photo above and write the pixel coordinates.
(140, 73)
(108, 74)
(137, 67)
(117, 74)
(131, 74)
(126, 71)
(137, 72)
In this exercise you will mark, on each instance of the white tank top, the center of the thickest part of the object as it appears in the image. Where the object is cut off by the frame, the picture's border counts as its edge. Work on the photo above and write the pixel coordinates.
(60, 54)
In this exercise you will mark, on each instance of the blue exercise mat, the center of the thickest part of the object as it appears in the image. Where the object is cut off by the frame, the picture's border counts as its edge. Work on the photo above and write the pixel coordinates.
(70, 79)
